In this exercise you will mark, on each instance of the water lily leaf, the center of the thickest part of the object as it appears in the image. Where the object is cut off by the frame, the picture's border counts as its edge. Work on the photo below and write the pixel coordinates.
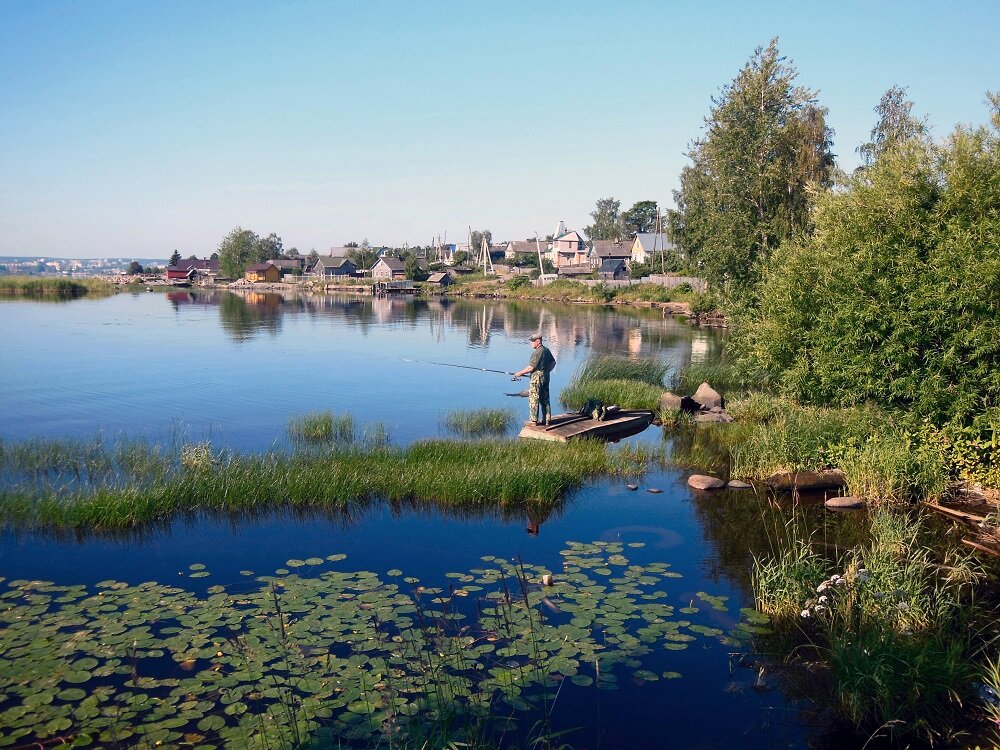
(196, 566)
(336, 558)
(200, 574)
(672, 675)
(314, 561)
(211, 723)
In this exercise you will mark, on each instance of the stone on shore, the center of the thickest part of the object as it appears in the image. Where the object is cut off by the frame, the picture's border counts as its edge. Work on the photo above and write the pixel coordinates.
(739, 484)
(828, 479)
(708, 397)
(844, 503)
(670, 402)
(705, 482)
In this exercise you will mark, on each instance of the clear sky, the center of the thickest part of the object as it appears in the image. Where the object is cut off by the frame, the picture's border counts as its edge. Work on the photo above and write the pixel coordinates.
(131, 128)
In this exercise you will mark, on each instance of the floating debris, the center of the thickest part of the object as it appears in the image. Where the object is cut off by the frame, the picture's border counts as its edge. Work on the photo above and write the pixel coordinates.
(654, 490)
(632, 487)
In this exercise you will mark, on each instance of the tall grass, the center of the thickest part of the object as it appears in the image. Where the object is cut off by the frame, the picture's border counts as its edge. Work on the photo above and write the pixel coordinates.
(47, 286)
(607, 367)
(321, 427)
(895, 627)
(882, 461)
(479, 422)
(474, 474)
(628, 383)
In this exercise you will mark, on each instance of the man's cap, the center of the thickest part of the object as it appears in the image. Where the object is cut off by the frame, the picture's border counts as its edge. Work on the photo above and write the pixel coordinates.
(535, 337)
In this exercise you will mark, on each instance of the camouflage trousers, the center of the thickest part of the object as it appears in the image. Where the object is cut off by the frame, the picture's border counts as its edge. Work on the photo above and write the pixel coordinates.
(538, 397)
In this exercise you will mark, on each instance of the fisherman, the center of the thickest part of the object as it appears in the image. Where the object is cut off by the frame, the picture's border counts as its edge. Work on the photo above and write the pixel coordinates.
(539, 367)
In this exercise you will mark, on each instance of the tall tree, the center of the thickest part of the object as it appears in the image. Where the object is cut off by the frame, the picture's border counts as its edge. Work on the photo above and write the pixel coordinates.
(640, 219)
(363, 257)
(269, 248)
(607, 220)
(135, 267)
(175, 258)
(239, 249)
(766, 146)
(895, 125)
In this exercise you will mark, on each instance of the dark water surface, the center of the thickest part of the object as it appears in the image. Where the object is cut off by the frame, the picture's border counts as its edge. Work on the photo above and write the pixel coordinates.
(186, 367)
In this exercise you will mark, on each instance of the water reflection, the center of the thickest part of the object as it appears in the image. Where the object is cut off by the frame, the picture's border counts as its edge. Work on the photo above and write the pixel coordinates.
(633, 331)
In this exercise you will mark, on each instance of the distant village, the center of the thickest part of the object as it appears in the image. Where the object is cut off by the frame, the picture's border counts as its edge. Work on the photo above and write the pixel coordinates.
(567, 253)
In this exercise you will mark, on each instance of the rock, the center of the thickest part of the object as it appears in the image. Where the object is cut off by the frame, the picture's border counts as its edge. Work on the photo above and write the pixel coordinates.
(828, 479)
(670, 402)
(654, 490)
(708, 397)
(632, 487)
(704, 482)
(844, 503)
(738, 484)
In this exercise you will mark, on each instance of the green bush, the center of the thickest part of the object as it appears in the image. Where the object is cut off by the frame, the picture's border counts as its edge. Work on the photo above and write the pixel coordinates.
(892, 298)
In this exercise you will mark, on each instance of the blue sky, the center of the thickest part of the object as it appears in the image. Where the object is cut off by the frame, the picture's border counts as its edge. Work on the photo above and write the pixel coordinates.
(133, 128)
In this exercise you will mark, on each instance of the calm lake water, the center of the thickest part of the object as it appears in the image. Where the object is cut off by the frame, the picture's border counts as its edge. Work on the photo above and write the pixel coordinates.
(233, 369)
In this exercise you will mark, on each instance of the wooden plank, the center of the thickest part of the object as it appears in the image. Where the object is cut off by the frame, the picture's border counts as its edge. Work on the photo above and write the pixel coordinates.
(976, 545)
(958, 515)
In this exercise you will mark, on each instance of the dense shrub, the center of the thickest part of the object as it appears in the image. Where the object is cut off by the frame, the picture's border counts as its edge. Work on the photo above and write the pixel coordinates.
(893, 298)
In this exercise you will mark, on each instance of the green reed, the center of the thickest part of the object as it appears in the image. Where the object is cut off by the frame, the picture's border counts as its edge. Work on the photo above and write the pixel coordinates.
(143, 489)
(321, 427)
(45, 286)
(478, 422)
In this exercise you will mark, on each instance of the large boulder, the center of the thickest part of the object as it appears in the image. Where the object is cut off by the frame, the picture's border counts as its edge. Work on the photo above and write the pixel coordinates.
(670, 401)
(705, 482)
(708, 397)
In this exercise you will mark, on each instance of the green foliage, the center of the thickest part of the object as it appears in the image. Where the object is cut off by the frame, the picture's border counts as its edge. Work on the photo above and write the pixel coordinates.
(479, 422)
(607, 221)
(459, 257)
(243, 247)
(893, 298)
(175, 258)
(640, 219)
(748, 186)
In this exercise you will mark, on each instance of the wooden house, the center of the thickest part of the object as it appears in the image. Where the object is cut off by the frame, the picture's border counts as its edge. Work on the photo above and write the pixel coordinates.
(612, 269)
(569, 249)
(602, 250)
(440, 279)
(262, 273)
(388, 268)
(333, 267)
(649, 245)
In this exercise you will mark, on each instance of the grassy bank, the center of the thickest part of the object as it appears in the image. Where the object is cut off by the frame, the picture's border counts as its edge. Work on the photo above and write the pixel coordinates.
(49, 287)
(54, 485)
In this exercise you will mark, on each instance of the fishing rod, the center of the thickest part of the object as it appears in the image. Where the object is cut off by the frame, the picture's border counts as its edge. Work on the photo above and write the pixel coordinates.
(464, 367)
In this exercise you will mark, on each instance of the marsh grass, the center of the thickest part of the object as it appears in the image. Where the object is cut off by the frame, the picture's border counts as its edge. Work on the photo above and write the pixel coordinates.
(473, 474)
(478, 422)
(628, 394)
(722, 376)
(321, 427)
(895, 627)
(628, 383)
(32, 286)
(623, 368)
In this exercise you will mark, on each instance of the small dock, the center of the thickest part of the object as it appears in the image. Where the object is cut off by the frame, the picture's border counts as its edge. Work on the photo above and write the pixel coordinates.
(566, 427)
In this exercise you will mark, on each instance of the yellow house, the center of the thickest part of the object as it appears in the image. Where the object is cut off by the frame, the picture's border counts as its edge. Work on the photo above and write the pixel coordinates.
(263, 272)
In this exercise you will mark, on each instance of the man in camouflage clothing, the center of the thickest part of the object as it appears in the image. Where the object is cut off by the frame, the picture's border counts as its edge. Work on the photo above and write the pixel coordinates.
(539, 366)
